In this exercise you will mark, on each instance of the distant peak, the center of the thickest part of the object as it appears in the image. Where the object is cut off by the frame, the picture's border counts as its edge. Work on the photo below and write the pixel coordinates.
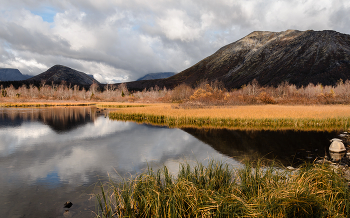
(59, 66)
(58, 73)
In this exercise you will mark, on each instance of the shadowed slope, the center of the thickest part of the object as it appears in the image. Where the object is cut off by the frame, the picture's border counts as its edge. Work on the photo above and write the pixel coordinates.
(298, 57)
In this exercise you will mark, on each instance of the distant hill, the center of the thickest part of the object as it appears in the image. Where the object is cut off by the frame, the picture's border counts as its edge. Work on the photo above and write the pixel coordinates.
(298, 57)
(151, 76)
(9, 74)
(59, 73)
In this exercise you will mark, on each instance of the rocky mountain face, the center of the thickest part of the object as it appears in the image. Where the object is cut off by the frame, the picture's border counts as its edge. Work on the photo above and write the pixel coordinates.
(298, 57)
(9, 74)
(59, 73)
(161, 75)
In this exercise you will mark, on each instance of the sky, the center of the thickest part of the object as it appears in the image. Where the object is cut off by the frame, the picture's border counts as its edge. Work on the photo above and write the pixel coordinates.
(122, 40)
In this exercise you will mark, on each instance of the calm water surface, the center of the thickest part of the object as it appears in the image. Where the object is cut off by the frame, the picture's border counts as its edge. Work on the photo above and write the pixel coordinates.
(52, 155)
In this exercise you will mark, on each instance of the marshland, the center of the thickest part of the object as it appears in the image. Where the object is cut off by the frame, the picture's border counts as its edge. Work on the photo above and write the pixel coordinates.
(186, 152)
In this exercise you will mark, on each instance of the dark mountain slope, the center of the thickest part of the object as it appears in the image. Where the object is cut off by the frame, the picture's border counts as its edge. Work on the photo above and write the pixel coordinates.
(59, 73)
(298, 57)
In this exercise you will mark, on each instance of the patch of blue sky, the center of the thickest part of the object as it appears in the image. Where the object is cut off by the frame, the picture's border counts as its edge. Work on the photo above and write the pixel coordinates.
(5, 45)
(52, 180)
(47, 13)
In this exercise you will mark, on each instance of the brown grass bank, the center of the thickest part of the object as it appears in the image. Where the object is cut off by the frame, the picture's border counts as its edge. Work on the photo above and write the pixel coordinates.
(320, 117)
(298, 117)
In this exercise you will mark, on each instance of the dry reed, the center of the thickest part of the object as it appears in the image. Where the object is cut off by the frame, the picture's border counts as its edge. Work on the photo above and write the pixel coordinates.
(217, 190)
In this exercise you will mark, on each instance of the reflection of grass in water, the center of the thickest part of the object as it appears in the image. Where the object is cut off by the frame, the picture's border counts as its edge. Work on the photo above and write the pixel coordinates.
(120, 105)
(342, 123)
(219, 191)
(41, 104)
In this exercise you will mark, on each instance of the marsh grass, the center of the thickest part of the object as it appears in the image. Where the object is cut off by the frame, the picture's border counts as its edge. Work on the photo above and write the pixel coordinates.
(217, 190)
(320, 124)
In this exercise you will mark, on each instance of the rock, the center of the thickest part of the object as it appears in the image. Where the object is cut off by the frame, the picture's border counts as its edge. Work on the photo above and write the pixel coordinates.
(68, 204)
(337, 146)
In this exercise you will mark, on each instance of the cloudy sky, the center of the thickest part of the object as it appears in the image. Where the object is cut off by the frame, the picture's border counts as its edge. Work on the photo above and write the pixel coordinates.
(121, 40)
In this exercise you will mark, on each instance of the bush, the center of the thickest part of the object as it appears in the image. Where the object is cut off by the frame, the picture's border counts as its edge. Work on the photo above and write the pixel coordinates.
(181, 93)
(266, 98)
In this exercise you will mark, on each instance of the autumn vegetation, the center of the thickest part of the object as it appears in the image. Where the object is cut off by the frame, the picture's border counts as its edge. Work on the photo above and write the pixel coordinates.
(204, 94)
(218, 190)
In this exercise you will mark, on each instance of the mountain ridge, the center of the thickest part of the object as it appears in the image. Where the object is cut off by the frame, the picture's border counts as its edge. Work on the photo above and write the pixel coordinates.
(296, 57)
(12, 74)
(159, 75)
(59, 73)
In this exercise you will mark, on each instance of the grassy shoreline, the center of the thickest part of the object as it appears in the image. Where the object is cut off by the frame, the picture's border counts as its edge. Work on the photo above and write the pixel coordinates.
(262, 117)
(217, 190)
(308, 124)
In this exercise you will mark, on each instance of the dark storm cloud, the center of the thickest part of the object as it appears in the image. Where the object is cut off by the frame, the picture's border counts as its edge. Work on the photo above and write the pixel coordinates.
(123, 40)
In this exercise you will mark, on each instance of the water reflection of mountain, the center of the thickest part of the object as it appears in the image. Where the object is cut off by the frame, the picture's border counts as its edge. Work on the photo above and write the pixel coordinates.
(288, 147)
(60, 119)
(6, 120)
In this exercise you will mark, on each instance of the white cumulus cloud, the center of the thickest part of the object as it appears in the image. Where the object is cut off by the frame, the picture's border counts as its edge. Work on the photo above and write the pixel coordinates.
(119, 41)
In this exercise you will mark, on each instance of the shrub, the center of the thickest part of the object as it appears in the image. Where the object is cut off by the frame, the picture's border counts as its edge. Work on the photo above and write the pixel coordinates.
(181, 93)
(4, 93)
(266, 98)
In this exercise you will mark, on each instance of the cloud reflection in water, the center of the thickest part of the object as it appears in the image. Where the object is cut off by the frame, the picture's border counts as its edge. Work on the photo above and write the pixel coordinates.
(33, 150)
(45, 162)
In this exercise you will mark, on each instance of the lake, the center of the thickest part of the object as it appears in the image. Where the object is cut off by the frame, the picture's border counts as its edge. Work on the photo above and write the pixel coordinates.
(56, 154)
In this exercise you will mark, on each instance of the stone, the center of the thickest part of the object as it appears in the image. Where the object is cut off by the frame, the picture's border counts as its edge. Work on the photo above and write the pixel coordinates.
(337, 146)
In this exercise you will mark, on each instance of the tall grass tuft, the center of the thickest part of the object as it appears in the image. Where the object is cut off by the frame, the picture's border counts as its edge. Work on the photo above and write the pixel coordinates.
(217, 190)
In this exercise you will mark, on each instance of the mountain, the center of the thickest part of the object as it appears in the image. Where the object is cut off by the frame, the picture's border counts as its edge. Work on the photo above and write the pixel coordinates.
(59, 73)
(9, 74)
(151, 76)
(298, 57)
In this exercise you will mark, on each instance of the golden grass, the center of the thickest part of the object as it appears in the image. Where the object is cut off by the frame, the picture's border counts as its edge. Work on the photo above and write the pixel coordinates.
(218, 190)
(246, 112)
(262, 117)
(300, 117)
(233, 112)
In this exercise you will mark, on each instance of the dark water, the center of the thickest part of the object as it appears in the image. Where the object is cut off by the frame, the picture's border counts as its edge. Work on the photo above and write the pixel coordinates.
(287, 147)
(52, 155)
